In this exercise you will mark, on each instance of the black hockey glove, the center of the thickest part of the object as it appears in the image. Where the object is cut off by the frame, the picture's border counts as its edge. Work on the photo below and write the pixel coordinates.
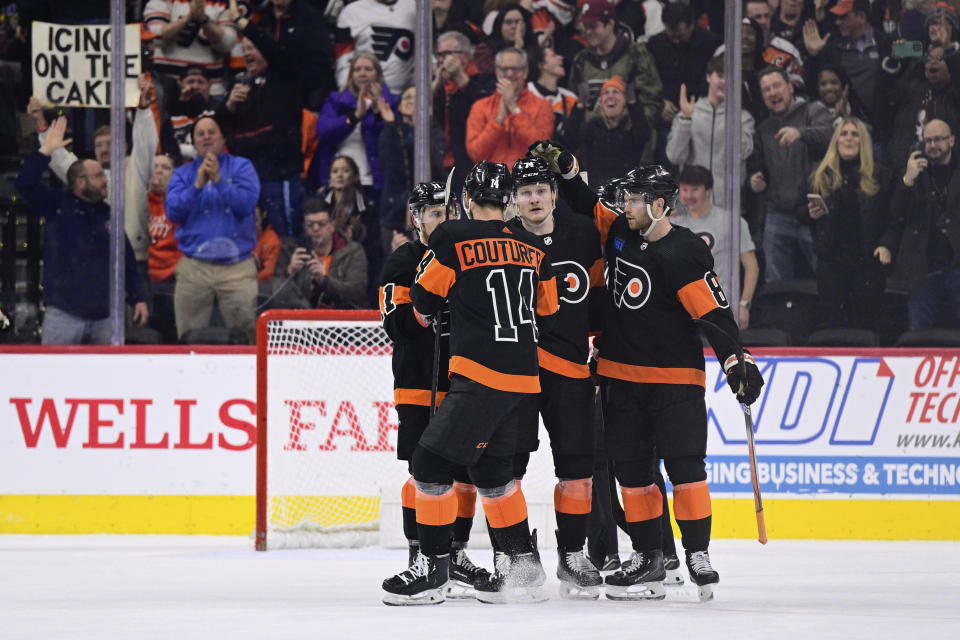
(746, 381)
(560, 160)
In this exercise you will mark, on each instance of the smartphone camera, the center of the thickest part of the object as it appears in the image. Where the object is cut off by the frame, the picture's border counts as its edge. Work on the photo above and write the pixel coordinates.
(908, 49)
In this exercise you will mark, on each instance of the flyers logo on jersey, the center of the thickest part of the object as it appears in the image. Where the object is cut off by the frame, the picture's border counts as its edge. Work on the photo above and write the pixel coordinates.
(390, 40)
(708, 238)
(631, 285)
(576, 279)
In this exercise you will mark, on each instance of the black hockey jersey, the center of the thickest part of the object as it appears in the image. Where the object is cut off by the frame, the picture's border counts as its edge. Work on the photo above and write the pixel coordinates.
(412, 342)
(656, 289)
(502, 293)
(575, 254)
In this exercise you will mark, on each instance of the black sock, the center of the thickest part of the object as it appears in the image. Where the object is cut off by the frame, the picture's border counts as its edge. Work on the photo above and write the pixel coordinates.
(515, 538)
(435, 540)
(461, 530)
(410, 523)
(695, 534)
(571, 530)
(645, 535)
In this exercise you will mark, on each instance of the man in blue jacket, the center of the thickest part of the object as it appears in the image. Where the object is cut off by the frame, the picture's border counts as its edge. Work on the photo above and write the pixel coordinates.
(212, 200)
(76, 248)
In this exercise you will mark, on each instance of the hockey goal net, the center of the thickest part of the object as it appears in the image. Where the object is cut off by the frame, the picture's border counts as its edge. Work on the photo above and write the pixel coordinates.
(327, 432)
(326, 428)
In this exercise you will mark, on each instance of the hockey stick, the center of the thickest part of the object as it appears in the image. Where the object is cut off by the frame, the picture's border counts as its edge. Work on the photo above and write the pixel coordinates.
(434, 380)
(748, 420)
(437, 324)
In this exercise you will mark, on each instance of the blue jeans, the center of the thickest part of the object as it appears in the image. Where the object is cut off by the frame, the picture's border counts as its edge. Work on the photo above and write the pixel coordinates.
(936, 292)
(281, 202)
(785, 241)
(60, 327)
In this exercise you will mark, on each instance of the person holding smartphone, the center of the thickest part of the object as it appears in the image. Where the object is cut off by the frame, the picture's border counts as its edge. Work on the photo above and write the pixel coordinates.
(848, 203)
(322, 269)
(925, 231)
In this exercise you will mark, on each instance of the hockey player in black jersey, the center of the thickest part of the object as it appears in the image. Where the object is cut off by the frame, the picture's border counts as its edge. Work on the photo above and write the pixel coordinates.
(566, 393)
(661, 279)
(501, 293)
(413, 379)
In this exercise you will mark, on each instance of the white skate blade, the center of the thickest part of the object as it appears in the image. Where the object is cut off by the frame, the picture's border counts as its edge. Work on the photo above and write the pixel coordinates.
(705, 592)
(430, 596)
(515, 595)
(639, 591)
(674, 578)
(570, 591)
(457, 590)
(691, 593)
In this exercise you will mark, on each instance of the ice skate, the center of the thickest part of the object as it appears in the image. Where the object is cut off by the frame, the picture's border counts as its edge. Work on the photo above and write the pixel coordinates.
(579, 579)
(413, 550)
(610, 563)
(423, 583)
(702, 574)
(640, 578)
(671, 565)
(517, 578)
(464, 575)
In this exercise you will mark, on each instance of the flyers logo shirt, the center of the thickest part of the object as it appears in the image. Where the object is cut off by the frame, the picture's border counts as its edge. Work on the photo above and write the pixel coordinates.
(573, 281)
(630, 284)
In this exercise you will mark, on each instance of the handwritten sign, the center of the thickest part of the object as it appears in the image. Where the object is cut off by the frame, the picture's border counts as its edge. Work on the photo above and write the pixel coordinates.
(72, 64)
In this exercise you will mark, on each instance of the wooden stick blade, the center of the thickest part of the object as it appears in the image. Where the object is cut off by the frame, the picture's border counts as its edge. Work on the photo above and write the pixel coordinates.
(761, 528)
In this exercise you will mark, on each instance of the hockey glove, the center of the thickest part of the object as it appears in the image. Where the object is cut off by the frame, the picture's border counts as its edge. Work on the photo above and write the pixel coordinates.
(424, 320)
(746, 381)
(560, 160)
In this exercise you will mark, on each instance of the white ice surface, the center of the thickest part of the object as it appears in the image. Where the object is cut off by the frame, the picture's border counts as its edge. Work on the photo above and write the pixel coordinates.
(217, 587)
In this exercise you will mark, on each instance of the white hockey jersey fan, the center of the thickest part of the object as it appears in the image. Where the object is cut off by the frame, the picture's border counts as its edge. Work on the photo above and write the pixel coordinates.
(384, 28)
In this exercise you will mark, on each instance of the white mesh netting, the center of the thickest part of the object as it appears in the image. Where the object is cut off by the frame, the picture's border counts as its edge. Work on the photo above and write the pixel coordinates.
(331, 431)
(331, 434)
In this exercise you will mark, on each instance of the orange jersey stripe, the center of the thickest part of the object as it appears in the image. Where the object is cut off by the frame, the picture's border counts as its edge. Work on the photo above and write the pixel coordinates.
(596, 273)
(662, 375)
(548, 300)
(691, 501)
(697, 298)
(466, 499)
(573, 496)
(494, 379)
(400, 295)
(642, 503)
(408, 494)
(506, 510)
(341, 49)
(561, 366)
(603, 218)
(437, 278)
(419, 397)
(436, 511)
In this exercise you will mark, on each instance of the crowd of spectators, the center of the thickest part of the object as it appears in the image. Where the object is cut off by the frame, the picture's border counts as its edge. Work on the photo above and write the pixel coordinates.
(271, 153)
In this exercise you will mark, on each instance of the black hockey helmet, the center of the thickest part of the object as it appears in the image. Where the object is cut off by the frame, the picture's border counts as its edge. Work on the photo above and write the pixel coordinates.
(608, 194)
(428, 194)
(652, 181)
(489, 183)
(425, 194)
(533, 171)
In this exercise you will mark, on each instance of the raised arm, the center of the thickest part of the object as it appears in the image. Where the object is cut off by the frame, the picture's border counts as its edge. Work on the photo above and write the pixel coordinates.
(42, 199)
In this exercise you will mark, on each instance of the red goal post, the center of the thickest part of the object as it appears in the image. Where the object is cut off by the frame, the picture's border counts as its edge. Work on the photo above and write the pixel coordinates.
(326, 428)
